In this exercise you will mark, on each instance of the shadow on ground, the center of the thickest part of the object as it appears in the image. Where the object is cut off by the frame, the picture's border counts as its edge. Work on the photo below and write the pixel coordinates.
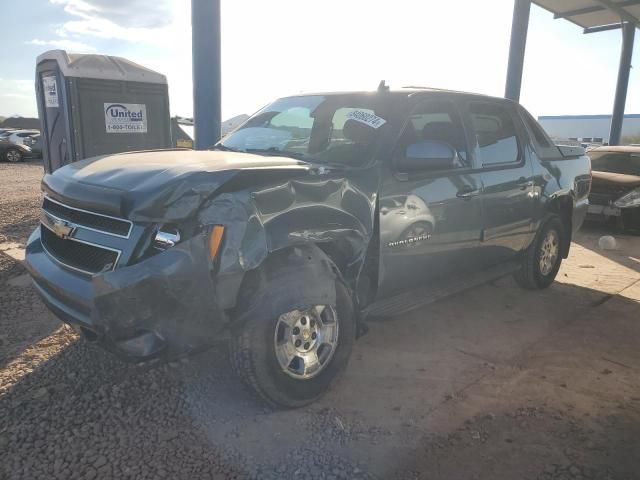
(493, 383)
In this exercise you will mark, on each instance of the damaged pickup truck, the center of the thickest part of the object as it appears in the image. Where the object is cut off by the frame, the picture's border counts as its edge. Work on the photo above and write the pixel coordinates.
(319, 210)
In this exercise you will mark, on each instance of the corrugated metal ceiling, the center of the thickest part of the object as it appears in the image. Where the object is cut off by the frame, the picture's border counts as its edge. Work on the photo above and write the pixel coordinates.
(594, 13)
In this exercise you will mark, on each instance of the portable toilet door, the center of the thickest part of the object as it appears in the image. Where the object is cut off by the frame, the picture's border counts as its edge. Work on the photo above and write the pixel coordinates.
(55, 123)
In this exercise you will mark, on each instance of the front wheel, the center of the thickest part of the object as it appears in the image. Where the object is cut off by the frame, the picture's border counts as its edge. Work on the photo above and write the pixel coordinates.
(13, 155)
(290, 358)
(541, 261)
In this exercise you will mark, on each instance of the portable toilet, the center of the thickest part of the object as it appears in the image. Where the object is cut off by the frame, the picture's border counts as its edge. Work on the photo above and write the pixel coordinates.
(97, 104)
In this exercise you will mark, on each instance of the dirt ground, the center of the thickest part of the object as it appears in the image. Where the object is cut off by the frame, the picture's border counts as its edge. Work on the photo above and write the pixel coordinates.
(495, 383)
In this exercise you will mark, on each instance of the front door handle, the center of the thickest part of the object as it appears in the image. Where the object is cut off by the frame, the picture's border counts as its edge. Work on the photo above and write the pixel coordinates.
(524, 184)
(467, 192)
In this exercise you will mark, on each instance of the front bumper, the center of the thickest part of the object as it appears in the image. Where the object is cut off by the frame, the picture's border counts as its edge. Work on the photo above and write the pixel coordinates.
(604, 211)
(164, 306)
(625, 218)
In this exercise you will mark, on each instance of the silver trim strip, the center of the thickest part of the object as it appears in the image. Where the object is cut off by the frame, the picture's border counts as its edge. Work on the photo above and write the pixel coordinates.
(53, 257)
(92, 213)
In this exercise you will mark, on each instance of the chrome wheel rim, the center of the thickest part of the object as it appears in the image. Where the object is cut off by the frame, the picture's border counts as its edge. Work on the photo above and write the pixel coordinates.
(417, 230)
(305, 341)
(549, 251)
(13, 156)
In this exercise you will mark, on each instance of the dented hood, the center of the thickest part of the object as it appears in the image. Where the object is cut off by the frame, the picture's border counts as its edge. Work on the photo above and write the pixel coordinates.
(154, 186)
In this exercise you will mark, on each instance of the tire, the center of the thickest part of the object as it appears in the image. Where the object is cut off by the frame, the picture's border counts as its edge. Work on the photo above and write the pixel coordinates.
(539, 265)
(254, 357)
(14, 155)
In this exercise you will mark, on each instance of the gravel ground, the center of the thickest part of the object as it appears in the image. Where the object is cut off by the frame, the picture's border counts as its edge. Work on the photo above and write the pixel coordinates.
(529, 386)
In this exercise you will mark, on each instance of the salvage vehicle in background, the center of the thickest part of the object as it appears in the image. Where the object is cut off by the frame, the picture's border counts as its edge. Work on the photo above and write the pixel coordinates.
(318, 211)
(615, 191)
(13, 153)
(18, 137)
(34, 142)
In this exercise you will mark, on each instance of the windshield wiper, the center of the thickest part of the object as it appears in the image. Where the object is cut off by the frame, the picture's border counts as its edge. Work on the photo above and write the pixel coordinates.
(275, 152)
(224, 148)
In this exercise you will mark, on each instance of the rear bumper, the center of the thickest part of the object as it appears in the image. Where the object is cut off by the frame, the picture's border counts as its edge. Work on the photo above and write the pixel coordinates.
(161, 307)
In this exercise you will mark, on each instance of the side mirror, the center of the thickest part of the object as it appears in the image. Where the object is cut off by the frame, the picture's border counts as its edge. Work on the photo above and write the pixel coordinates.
(427, 155)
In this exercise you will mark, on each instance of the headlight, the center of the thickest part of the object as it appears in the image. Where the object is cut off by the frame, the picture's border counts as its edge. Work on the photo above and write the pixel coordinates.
(166, 238)
(631, 199)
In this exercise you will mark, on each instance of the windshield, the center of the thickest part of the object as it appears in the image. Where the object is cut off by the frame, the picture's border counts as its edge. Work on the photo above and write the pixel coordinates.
(335, 129)
(616, 162)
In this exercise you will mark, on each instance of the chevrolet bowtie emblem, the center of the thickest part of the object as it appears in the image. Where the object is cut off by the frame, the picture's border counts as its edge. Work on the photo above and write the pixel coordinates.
(61, 228)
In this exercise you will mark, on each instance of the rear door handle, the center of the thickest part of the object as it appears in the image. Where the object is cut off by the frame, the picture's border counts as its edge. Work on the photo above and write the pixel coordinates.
(467, 192)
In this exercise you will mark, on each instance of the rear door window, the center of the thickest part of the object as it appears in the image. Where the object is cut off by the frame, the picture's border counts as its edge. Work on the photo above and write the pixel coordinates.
(542, 144)
(495, 134)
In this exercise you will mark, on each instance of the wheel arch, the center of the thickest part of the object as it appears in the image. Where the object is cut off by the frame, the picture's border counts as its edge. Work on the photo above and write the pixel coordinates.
(562, 206)
(290, 278)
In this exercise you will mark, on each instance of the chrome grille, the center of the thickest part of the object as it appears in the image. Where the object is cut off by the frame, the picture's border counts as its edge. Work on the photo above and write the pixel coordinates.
(601, 199)
(606, 194)
(89, 220)
(78, 255)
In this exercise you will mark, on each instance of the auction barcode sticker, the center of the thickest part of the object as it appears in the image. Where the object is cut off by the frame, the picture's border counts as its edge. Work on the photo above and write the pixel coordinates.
(367, 118)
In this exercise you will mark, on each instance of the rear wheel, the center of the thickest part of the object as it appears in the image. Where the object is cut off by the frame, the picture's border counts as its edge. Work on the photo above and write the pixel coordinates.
(542, 259)
(13, 155)
(290, 358)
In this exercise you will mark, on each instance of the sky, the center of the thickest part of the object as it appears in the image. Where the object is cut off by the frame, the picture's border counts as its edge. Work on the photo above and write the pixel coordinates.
(281, 47)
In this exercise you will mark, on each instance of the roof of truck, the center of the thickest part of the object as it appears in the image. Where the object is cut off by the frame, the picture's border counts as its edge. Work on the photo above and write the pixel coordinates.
(402, 91)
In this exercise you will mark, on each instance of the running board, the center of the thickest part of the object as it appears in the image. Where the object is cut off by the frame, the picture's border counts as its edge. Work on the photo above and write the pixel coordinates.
(426, 295)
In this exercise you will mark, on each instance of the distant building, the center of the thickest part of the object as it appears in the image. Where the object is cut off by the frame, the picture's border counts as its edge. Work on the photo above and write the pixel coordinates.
(588, 128)
(21, 122)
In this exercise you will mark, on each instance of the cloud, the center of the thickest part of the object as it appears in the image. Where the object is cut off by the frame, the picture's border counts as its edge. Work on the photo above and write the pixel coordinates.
(16, 86)
(18, 96)
(124, 13)
(64, 44)
(140, 21)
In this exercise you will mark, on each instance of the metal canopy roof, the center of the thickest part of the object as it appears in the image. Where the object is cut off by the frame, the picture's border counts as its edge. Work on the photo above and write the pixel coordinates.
(593, 15)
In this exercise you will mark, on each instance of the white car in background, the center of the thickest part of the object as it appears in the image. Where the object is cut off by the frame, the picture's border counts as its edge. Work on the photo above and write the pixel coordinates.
(17, 136)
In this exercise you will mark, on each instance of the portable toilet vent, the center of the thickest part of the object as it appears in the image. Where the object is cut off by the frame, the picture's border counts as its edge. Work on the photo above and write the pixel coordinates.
(97, 104)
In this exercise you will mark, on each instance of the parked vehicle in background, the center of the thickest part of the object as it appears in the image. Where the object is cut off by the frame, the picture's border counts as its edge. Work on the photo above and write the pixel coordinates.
(316, 212)
(14, 153)
(18, 136)
(5, 132)
(34, 142)
(615, 191)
